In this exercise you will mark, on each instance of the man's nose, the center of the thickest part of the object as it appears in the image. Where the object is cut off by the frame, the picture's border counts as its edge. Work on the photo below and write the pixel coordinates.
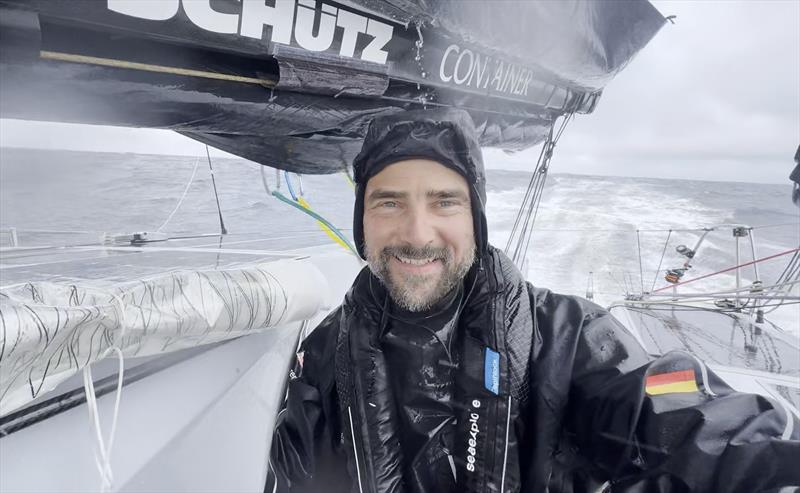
(418, 229)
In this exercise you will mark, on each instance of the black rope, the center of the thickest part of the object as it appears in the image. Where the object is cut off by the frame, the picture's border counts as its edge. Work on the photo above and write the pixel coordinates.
(216, 196)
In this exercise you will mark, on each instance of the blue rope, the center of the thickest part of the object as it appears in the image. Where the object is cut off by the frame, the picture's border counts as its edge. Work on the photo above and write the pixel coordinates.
(319, 218)
(289, 185)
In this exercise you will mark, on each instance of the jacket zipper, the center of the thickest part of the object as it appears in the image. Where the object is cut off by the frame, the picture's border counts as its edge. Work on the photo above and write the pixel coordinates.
(494, 312)
(505, 453)
(489, 471)
(355, 449)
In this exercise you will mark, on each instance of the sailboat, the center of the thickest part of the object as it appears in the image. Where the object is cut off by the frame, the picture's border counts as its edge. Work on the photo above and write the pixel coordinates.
(152, 363)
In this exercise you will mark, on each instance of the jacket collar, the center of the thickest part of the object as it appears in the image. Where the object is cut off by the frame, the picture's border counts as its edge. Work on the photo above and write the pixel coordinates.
(366, 396)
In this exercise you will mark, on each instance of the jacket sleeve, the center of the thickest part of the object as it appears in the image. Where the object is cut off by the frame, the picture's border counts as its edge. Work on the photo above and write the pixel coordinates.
(305, 454)
(672, 425)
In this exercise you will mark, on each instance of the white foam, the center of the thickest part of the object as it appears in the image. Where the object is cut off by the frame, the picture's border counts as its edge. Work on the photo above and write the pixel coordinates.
(586, 224)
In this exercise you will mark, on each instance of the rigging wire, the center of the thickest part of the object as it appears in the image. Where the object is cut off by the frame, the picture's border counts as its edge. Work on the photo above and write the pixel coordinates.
(525, 200)
(522, 230)
(773, 225)
(528, 227)
(216, 195)
(744, 289)
(658, 270)
(728, 269)
(757, 297)
(183, 196)
(693, 304)
(789, 277)
(639, 247)
(540, 191)
(647, 230)
(616, 281)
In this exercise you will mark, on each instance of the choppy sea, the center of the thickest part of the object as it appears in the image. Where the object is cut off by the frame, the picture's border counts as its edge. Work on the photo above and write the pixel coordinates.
(586, 224)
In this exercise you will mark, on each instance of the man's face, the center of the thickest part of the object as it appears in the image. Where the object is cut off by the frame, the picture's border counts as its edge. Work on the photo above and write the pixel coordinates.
(418, 231)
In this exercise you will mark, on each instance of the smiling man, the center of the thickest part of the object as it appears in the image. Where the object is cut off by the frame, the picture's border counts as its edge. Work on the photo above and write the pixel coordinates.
(443, 370)
(418, 231)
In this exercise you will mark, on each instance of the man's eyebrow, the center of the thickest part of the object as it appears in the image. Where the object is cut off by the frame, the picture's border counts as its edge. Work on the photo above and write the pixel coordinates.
(447, 194)
(380, 194)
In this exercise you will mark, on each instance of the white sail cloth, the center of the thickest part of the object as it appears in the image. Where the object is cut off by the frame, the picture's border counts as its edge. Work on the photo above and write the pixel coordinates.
(51, 331)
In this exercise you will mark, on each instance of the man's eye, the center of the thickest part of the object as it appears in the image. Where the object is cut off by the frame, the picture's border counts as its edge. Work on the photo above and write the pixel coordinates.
(447, 203)
(389, 204)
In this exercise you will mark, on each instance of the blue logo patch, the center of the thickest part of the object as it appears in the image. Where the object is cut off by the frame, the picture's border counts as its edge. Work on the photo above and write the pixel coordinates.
(491, 371)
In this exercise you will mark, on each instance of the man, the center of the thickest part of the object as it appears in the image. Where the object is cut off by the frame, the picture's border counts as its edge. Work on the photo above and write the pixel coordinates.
(444, 371)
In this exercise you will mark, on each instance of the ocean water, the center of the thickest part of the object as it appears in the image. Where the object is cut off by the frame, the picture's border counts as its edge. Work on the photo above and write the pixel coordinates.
(586, 224)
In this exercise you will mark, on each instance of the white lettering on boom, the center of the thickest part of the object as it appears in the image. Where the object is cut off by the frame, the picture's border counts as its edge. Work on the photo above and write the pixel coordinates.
(464, 67)
(285, 17)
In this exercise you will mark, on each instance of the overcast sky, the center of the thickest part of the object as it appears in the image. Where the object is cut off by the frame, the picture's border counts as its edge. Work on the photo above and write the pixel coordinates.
(715, 97)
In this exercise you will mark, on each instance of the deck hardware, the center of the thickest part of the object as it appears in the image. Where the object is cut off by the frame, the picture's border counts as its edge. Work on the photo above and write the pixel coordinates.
(685, 251)
(741, 232)
(674, 275)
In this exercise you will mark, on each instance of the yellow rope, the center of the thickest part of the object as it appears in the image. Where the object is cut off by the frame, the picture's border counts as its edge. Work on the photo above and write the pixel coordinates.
(147, 67)
(322, 226)
(349, 180)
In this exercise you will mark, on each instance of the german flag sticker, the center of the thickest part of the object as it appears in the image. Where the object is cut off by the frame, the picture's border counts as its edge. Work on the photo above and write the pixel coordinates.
(676, 382)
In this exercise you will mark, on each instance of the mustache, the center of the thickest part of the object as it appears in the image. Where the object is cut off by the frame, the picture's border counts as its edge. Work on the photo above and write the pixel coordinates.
(417, 253)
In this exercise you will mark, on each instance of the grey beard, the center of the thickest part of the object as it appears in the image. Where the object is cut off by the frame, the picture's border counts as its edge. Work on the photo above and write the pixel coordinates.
(405, 292)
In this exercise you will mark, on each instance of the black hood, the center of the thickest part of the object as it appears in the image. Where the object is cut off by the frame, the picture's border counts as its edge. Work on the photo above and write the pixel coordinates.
(447, 136)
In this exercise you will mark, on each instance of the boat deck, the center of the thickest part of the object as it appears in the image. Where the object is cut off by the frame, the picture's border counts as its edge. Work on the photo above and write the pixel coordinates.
(720, 339)
(40, 257)
(197, 419)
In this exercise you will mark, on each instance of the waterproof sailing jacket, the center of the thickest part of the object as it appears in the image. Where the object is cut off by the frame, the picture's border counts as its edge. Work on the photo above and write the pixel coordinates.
(551, 392)
(568, 408)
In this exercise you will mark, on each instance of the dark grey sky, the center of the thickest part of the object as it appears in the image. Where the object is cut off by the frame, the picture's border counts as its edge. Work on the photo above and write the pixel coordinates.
(715, 96)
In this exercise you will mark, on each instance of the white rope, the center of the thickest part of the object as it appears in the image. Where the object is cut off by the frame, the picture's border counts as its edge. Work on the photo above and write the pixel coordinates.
(264, 180)
(185, 192)
(102, 449)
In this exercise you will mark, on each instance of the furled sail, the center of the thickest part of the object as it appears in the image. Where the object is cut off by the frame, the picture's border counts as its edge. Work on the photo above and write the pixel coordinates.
(51, 330)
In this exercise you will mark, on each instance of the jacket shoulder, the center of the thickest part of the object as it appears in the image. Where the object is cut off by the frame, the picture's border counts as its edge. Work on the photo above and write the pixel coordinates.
(595, 337)
(567, 306)
(319, 349)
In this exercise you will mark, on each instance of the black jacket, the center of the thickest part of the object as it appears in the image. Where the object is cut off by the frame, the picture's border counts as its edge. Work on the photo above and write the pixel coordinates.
(550, 392)
(571, 410)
